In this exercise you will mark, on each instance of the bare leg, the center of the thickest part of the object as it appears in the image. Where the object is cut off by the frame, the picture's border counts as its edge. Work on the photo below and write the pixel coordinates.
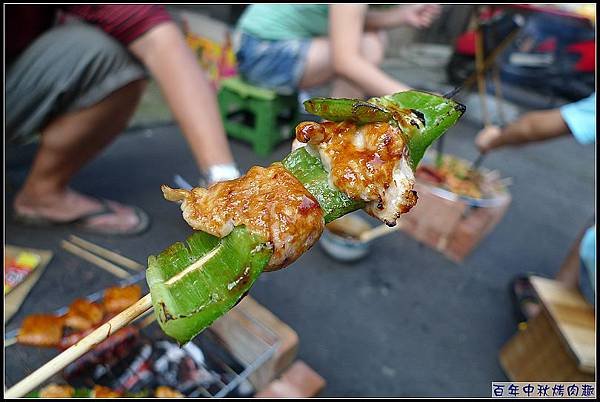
(372, 48)
(319, 69)
(568, 273)
(187, 91)
(67, 143)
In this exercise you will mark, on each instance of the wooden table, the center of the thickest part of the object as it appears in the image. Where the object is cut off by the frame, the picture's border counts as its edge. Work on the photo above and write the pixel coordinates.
(557, 345)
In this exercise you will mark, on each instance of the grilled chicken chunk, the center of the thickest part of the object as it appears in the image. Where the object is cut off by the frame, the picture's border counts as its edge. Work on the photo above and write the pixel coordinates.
(270, 202)
(367, 162)
(83, 315)
(167, 392)
(57, 391)
(41, 330)
(118, 299)
(100, 391)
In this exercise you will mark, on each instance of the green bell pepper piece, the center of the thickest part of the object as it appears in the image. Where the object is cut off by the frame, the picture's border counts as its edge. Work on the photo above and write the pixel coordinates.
(340, 109)
(437, 114)
(310, 172)
(193, 286)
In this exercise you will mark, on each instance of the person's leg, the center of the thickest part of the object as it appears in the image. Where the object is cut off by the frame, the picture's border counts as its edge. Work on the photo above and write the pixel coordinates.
(372, 48)
(568, 273)
(318, 68)
(77, 87)
(67, 143)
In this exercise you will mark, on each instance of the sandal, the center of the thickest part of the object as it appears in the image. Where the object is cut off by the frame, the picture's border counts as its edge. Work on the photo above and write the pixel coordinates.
(522, 293)
(82, 222)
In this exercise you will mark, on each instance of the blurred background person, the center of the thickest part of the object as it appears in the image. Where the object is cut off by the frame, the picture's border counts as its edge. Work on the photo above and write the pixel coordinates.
(579, 120)
(287, 47)
(74, 76)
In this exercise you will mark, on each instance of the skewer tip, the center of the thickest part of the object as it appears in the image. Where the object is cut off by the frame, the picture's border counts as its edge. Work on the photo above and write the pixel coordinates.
(450, 94)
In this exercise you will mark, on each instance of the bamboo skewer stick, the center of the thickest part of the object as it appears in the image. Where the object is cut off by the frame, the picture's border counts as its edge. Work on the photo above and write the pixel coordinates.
(491, 58)
(84, 345)
(107, 254)
(94, 259)
(378, 231)
(479, 68)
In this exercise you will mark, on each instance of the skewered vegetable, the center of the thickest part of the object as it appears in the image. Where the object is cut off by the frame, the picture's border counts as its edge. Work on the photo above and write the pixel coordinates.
(365, 156)
(423, 117)
(193, 286)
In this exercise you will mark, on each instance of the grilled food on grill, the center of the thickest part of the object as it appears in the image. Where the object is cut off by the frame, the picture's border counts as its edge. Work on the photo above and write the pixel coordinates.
(41, 330)
(117, 299)
(83, 314)
(47, 330)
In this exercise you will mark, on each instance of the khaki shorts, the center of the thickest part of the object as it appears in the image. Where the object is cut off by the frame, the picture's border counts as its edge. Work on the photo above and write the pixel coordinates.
(68, 68)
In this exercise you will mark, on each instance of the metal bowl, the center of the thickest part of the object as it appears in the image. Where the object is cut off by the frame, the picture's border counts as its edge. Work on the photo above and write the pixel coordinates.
(343, 248)
(490, 201)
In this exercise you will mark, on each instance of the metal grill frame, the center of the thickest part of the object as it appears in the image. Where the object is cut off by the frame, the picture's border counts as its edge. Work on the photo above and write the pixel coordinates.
(271, 346)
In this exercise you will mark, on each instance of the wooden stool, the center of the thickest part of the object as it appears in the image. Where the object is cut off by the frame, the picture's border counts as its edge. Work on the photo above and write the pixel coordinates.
(559, 344)
(254, 114)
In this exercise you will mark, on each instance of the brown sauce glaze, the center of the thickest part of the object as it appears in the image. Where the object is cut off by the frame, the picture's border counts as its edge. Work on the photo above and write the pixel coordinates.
(270, 202)
(361, 160)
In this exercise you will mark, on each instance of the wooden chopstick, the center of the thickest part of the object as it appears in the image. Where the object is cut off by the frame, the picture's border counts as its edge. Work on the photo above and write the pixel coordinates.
(94, 259)
(10, 342)
(127, 316)
(84, 345)
(107, 254)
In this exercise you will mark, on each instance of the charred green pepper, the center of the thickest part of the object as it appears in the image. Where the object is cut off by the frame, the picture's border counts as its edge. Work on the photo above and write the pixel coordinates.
(421, 116)
(191, 286)
(339, 109)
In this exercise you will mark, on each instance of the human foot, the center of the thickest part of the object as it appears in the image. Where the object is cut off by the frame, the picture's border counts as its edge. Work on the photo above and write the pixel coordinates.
(86, 213)
(525, 300)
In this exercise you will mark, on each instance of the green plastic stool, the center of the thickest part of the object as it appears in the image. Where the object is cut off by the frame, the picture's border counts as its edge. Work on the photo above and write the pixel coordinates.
(256, 115)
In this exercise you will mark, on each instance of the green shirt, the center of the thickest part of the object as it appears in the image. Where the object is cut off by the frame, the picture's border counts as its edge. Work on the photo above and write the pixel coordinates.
(285, 21)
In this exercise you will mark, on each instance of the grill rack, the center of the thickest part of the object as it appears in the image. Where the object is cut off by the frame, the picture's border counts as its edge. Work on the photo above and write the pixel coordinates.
(237, 375)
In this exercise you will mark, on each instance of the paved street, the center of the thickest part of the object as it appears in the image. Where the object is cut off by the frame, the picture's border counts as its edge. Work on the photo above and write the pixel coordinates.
(403, 322)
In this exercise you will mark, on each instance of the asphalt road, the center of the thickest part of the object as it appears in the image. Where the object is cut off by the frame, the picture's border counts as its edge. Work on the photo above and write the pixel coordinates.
(403, 322)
